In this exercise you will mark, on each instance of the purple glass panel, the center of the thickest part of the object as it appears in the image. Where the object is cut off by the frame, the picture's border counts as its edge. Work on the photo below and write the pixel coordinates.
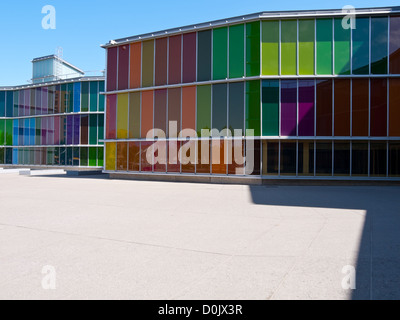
(50, 131)
(189, 57)
(306, 107)
(45, 101)
(289, 108)
(27, 102)
(38, 98)
(44, 131)
(77, 122)
(69, 130)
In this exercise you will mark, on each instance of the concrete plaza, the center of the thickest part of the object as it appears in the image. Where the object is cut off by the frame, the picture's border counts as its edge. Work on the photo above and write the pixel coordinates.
(113, 239)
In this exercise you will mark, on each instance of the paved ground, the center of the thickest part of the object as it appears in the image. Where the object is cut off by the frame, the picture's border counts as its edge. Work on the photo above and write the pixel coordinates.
(110, 239)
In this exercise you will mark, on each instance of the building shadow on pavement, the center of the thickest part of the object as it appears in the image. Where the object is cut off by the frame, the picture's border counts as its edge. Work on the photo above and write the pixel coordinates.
(378, 261)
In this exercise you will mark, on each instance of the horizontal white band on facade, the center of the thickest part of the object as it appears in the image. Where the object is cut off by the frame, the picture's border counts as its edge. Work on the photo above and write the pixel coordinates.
(244, 79)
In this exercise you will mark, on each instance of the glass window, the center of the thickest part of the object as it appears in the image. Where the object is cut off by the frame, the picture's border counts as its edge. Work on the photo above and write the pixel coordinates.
(220, 53)
(253, 147)
(270, 48)
(289, 47)
(203, 108)
(189, 57)
(175, 60)
(92, 157)
(174, 110)
(394, 159)
(342, 158)
(236, 107)
(253, 49)
(94, 93)
(306, 107)
(288, 158)
(77, 124)
(2, 104)
(189, 108)
(101, 97)
(306, 158)
(144, 165)
(324, 46)
(323, 158)
(204, 55)
(147, 112)
(360, 107)
(378, 156)
(83, 157)
(219, 165)
(270, 157)
(135, 65)
(342, 48)
(253, 107)
(85, 96)
(161, 62)
(110, 156)
(190, 146)
(111, 116)
(289, 108)
(123, 67)
(93, 129)
(361, 46)
(84, 129)
(270, 107)
(134, 156)
(394, 107)
(236, 51)
(342, 107)
(236, 151)
(122, 116)
(204, 157)
(160, 110)
(112, 59)
(306, 47)
(219, 107)
(100, 157)
(394, 48)
(379, 45)
(378, 107)
(75, 159)
(122, 156)
(134, 115)
(148, 64)
(9, 104)
(324, 107)
(2, 132)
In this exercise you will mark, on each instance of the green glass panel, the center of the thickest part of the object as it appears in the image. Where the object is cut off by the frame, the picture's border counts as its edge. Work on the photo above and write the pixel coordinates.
(148, 63)
(253, 106)
(92, 157)
(342, 48)
(204, 55)
(94, 91)
(85, 97)
(93, 129)
(253, 49)
(2, 154)
(219, 108)
(289, 47)
(2, 132)
(64, 99)
(306, 47)
(101, 127)
(203, 108)
(134, 115)
(236, 51)
(220, 53)
(101, 96)
(84, 157)
(361, 46)
(100, 157)
(379, 45)
(270, 107)
(270, 48)
(122, 116)
(324, 46)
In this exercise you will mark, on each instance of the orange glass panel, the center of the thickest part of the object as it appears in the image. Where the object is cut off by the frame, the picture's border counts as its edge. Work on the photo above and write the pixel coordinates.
(219, 165)
(134, 156)
(122, 156)
(145, 165)
(342, 107)
(136, 65)
(189, 108)
(147, 112)
(394, 107)
(360, 107)
(203, 157)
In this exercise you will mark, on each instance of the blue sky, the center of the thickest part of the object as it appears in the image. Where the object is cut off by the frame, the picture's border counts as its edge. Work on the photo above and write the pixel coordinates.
(82, 26)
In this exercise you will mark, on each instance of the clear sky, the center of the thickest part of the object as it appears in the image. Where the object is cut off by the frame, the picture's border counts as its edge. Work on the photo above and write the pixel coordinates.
(82, 26)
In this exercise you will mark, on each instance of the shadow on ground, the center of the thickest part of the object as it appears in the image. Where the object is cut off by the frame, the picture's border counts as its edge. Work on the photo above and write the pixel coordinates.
(378, 262)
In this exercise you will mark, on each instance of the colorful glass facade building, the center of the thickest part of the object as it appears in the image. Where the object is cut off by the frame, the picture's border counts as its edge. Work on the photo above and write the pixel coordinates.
(322, 99)
(53, 124)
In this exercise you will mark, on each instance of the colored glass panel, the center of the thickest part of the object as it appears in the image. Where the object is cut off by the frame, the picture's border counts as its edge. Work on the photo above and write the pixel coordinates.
(147, 113)
(123, 67)
(394, 159)
(361, 46)
(174, 110)
(342, 48)
(236, 107)
(379, 45)
(77, 97)
(161, 62)
(112, 60)
(84, 157)
(145, 166)
(134, 115)
(378, 159)
(174, 165)
(378, 107)
(306, 158)
(203, 157)
(341, 165)
(111, 149)
(203, 108)
(85, 97)
(324, 46)
(111, 117)
(148, 64)
(324, 108)
(135, 65)
(359, 158)
(394, 107)
(122, 116)
(288, 158)
(270, 48)
(220, 53)
(85, 129)
(323, 164)
(306, 47)
(134, 156)
(270, 107)
(160, 110)
(101, 97)
(342, 107)
(93, 129)
(219, 107)
(236, 51)
(289, 47)
(189, 57)
(394, 46)
(360, 107)
(122, 156)
(204, 55)
(189, 108)
(219, 165)
(306, 108)
(94, 93)
(253, 107)
(175, 60)
(2, 104)
(270, 158)
(9, 104)
(92, 157)
(289, 108)
(253, 49)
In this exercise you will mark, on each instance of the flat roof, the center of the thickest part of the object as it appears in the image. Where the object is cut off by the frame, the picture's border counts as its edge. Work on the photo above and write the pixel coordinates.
(53, 56)
(251, 17)
(51, 83)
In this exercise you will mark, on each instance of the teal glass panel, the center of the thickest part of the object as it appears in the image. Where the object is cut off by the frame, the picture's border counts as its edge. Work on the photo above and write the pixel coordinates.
(342, 48)
(324, 47)
(94, 91)
(93, 129)
(236, 51)
(101, 96)
(204, 55)
(270, 107)
(219, 108)
(2, 104)
(220, 53)
(361, 46)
